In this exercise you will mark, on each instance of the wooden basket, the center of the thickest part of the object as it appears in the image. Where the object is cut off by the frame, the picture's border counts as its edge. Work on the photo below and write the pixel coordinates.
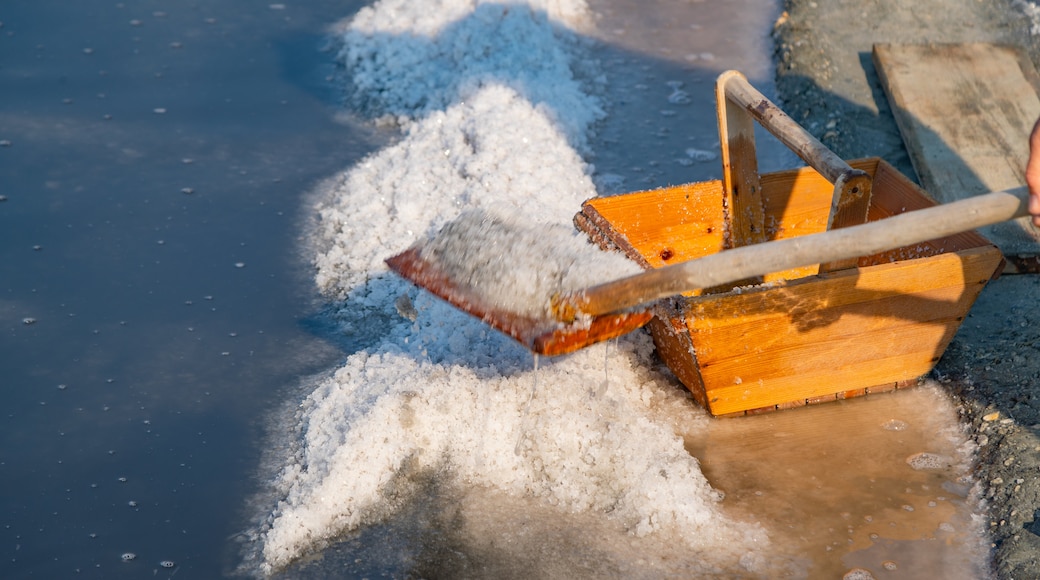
(807, 335)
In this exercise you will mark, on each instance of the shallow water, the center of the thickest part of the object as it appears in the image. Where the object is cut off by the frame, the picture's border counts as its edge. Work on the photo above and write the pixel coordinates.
(880, 483)
(656, 137)
(155, 156)
(160, 323)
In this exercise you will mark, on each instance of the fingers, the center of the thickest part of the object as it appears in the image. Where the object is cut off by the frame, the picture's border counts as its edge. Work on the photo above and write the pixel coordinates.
(1033, 173)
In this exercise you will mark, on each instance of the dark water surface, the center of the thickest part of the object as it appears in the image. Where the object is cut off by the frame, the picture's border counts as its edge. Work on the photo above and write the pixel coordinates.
(153, 304)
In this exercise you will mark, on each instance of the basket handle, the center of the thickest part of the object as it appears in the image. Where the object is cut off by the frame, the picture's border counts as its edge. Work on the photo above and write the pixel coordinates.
(739, 106)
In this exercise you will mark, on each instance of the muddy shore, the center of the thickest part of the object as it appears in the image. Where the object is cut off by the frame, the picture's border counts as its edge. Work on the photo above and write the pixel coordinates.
(826, 80)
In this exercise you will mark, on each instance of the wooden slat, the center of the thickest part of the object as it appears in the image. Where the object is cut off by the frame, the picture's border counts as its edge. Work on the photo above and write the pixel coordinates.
(817, 383)
(742, 190)
(672, 341)
(797, 203)
(965, 112)
(837, 291)
(664, 226)
(849, 330)
(851, 207)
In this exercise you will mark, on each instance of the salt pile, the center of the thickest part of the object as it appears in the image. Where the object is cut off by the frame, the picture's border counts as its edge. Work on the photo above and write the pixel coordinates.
(517, 266)
(493, 149)
(492, 117)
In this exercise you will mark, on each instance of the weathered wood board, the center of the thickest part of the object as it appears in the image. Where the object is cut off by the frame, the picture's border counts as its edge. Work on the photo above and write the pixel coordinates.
(965, 112)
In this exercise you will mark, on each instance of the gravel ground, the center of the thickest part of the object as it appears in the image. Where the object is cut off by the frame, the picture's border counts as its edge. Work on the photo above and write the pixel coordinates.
(827, 81)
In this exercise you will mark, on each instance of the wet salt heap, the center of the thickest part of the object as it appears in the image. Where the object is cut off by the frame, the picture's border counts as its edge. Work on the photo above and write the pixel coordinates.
(518, 266)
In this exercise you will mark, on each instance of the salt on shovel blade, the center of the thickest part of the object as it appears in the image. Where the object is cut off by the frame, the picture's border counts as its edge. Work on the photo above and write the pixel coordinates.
(544, 336)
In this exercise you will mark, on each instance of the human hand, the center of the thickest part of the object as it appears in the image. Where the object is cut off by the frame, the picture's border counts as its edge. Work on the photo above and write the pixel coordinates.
(1033, 173)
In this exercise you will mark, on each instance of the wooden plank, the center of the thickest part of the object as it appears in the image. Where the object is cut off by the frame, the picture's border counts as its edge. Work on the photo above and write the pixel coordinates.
(851, 207)
(663, 226)
(755, 395)
(749, 329)
(965, 112)
(742, 191)
(674, 347)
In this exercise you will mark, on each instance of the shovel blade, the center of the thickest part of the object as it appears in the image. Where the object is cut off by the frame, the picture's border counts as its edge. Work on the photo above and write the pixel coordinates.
(542, 336)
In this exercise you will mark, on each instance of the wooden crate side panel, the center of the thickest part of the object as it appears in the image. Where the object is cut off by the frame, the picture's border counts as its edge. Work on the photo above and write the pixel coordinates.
(600, 234)
(898, 195)
(846, 320)
(669, 225)
(675, 349)
(798, 201)
(805, 303)
(839, 346)
(851, 380)
(870, 164)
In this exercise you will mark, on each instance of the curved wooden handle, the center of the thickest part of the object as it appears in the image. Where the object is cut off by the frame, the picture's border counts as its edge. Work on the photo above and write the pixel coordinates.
(739, 91)
(739, 105)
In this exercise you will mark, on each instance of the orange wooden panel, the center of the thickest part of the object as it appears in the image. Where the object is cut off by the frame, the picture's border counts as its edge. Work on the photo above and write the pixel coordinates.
(818, 301)
(666, 225)
(829, 353)
(797, 202)
(820, 382)
(675, 349)
(887, 296)
(871, 332)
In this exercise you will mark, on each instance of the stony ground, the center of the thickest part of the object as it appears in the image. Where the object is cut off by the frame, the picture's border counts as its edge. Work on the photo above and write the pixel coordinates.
(826, 80)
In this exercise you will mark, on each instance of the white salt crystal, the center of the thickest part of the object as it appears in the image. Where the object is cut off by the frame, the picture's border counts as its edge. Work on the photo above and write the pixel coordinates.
(519, 266)
(382, 205)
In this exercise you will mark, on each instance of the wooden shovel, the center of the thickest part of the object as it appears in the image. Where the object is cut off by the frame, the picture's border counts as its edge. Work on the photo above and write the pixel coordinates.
(602, 312)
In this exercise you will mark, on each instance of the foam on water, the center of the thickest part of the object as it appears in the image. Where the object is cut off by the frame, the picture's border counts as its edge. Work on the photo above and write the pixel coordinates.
(492, 116)
(925, 460)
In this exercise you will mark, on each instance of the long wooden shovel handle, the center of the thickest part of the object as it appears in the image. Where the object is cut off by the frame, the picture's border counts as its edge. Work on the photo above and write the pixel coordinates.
(757, 260)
